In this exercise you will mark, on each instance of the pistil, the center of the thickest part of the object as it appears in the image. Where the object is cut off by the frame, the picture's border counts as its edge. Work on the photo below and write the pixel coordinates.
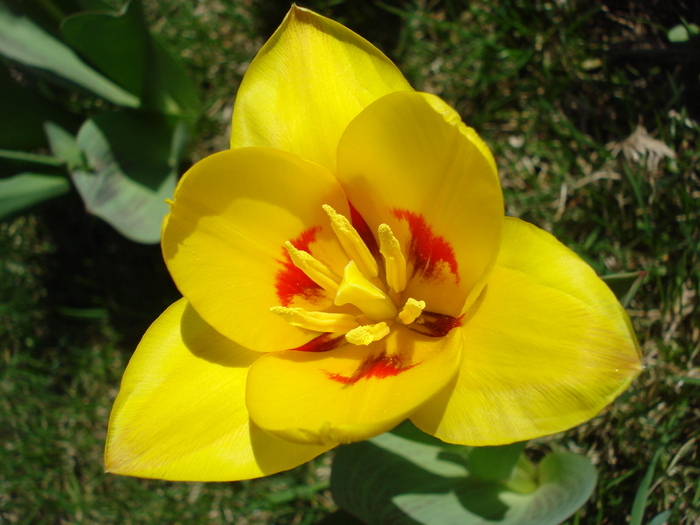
(361, 287)
(357, 290)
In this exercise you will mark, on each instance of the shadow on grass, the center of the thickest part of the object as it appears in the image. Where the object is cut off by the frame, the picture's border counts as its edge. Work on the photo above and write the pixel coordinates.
(95, 273)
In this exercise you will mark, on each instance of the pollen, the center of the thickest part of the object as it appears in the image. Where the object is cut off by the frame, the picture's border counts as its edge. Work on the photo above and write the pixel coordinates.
(364, 335)
(352, 243)
(317, 321)
(394, 260)
(313, 268)
(411, 310)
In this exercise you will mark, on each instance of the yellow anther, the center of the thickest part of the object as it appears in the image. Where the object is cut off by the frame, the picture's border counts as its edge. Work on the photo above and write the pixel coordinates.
(395, 261)
(411, 310)
(352, 243)
(317, 321)
(313, 268)
(364, 335)
(356, 289)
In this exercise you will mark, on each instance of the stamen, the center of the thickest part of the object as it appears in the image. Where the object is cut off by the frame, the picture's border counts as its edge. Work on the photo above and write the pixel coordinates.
(356, 289)
(395, 261)
(352, 243)
(318, 321)
(364, 335)
(313, 268)
(411, 310)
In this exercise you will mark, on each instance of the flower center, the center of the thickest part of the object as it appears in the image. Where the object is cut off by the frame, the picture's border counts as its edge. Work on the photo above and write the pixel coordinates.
(378, 300)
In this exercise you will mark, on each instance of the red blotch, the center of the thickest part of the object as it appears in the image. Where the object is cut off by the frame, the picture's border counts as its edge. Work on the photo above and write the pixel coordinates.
(380, 366)
(363, 229)
(435, 325)
(322, 343)
(290, 281)
(427, 251)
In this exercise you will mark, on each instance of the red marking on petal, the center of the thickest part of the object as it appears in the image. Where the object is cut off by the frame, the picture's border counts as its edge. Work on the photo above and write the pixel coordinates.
(322, 343)
(380, 366)
(427, 251)
(435, 325)
(290, 281)
(363, 230)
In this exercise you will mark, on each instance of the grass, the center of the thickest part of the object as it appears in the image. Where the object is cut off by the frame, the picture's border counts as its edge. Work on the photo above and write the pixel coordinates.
(553, 87)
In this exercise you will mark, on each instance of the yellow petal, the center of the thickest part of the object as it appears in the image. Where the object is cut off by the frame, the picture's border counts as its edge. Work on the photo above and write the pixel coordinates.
(224, 242)
(353, 392)
(547, 347)
(307, 82)
(180, 413)
(408, 161)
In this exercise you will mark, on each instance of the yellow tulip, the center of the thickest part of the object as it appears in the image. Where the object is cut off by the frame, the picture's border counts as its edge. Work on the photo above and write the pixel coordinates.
(346, 265)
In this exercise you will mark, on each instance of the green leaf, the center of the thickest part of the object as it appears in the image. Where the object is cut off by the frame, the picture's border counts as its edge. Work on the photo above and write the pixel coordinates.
(494, 463)
(127, 202)
(146, 146)
(640, 498)
(64, 146)
(115, 42)
(661, 518)
(23, 114)
(391, 479)
(566, 481)
(682, 32)
(298, 492)
(83, 313)
(170, 80)
(26, 189)
(121, 46)
(25, 42)
(689, 380)
(29, 158)
(625, 285)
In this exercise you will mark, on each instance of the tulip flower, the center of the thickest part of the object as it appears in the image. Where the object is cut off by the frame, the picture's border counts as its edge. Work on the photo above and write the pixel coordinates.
(347, 265)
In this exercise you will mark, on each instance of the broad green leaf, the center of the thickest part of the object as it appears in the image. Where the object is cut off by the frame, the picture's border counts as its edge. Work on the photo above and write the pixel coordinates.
(494, 463)
(24, 112)
(427, 457)
(121, 46)
(392, 479)
(25, 42)
(172, 82)
(50, 13)
(146, 146)
(133, 209)
(26, 189)
(661, 518)
(490, 463)
(366, 477)
(64, 146)
(566, 481)
(625, 285)
(115, 42)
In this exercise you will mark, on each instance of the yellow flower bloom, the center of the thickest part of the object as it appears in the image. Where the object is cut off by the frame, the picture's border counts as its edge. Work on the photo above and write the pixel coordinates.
(345, 266)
